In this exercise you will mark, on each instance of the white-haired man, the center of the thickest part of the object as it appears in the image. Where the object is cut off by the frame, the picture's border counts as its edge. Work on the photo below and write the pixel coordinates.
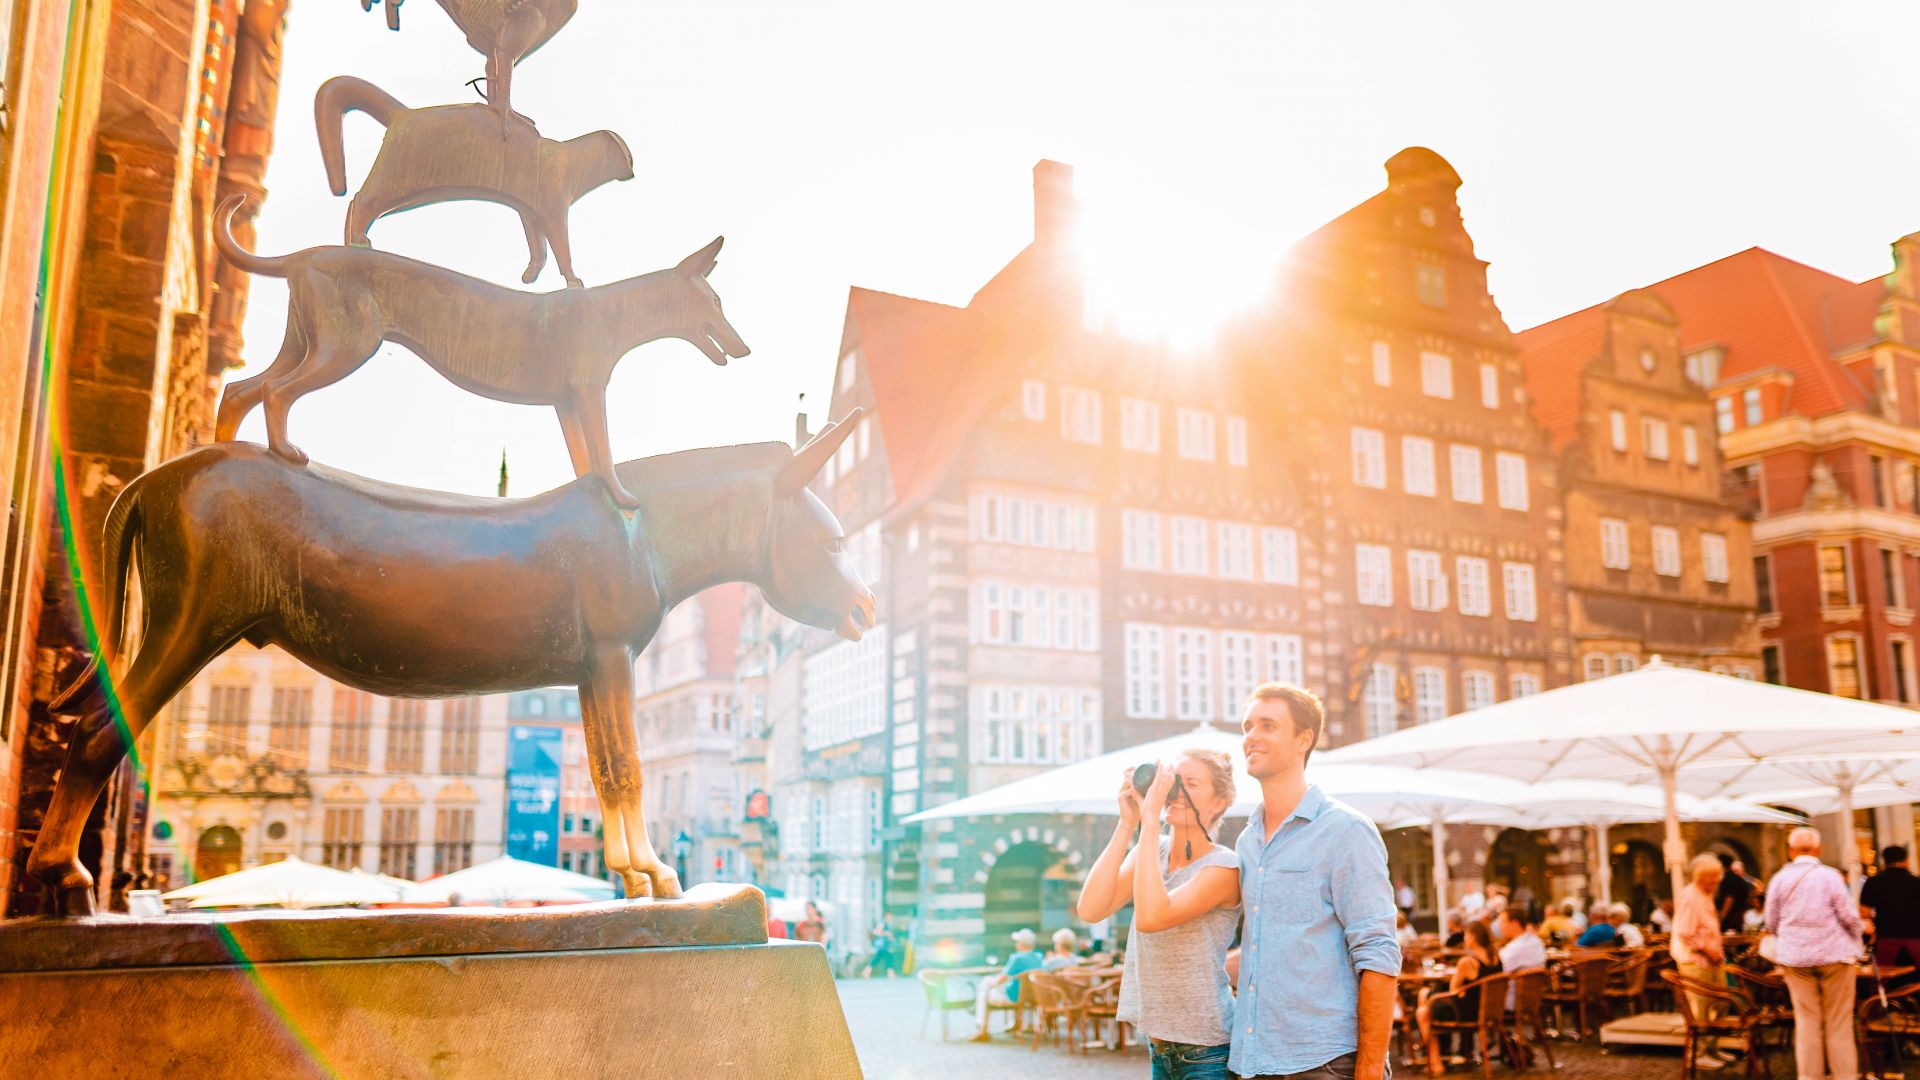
(1003, 990)
(1818, 927)
(1696, 943)
(1621, 916)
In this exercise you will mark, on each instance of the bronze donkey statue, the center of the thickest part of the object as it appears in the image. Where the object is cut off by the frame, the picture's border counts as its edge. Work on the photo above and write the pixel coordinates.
(412, 593)
(556, 348)
(451, 152)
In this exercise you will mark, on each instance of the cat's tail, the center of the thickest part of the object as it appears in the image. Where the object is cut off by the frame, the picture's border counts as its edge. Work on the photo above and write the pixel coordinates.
(338, 97)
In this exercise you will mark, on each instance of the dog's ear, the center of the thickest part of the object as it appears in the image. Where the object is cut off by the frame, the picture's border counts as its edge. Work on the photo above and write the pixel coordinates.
(701, 262)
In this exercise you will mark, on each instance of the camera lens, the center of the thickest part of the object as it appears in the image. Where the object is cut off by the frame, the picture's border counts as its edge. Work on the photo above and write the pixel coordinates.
(1143, 776)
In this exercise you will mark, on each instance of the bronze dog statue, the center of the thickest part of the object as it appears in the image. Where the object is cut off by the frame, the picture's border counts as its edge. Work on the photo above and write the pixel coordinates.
(451, 152)
(555, 348)
(414, 593)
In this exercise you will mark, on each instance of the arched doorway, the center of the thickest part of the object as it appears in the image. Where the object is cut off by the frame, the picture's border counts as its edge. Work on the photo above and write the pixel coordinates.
(1639, 876)
(217, 853)
(1030, 887)
(1519, 859)
(1731, 850)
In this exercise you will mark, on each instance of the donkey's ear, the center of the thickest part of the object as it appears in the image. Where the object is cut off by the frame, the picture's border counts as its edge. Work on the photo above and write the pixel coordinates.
(810, 459)
(701, 262)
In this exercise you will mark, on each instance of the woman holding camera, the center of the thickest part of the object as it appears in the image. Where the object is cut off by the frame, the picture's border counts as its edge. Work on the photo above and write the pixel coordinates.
(1185, 891)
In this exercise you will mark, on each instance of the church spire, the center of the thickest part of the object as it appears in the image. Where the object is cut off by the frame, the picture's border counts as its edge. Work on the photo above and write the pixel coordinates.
(503, 472)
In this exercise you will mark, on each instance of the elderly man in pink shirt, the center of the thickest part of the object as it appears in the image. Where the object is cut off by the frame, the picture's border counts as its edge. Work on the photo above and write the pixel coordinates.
(1818, 928)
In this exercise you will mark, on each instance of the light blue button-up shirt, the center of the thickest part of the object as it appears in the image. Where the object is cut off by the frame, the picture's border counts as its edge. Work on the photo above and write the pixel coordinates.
(1319, 911)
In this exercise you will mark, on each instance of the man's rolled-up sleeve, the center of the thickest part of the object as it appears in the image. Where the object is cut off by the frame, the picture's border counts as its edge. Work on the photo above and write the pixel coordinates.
(1363, 899)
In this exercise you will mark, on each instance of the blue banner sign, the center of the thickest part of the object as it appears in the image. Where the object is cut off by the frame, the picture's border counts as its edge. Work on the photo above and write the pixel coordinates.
(533, 795)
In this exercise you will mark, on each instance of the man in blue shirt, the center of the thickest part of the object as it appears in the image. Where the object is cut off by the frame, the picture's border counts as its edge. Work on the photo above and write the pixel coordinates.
(1318, 958)
(1004, 989)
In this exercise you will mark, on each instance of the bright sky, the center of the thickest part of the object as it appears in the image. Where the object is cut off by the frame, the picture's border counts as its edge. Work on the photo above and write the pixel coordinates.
(888, 143)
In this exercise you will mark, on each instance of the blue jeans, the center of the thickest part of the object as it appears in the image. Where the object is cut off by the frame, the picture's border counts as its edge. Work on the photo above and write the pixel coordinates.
(1185, 1061)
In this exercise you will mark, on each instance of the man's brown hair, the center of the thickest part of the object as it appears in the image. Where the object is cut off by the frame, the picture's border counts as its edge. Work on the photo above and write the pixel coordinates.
(1303, 706)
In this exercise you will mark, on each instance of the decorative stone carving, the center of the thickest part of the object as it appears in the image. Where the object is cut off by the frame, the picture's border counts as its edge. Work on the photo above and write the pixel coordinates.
(1823, 493)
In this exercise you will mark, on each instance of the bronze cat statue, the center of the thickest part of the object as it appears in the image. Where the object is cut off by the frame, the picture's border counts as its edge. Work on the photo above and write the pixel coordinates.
(454, 152)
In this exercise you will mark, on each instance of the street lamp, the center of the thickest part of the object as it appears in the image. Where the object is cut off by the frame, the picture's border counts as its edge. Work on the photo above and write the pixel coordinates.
(682, 847)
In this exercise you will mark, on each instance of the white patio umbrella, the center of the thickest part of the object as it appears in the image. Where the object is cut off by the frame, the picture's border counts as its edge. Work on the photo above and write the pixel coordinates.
(1391, 796)
(508, 880)
(293, 883)
(1825, 800)
(1654, 723)
(1833, 781)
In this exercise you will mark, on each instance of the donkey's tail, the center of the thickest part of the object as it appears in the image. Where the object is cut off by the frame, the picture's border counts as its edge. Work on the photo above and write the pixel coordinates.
(237, 255)
(116, 560)
(337, 97)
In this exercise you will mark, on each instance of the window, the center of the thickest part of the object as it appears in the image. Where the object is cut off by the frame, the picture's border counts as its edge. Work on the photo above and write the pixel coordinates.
(1524, 685)
(1033, 399)
(1723, 414)
(992, 620)
(1751, 399)
(1666, 551)
(1369, 458)
(406, 736)
(989, 517)
(1436, 374)
(1713, 557)
(343, 829)
(1617, 424)
(1690, 444)
(1140, 425)
(1236, 551)
(1653, 437)
(1476, 595)
(452, 839)
(848, 365)
(1625, 662)
(1146, 671)
(227, 708)
(1510, 471)
(1490, 389)
(1285, 659)
(1237, 440)
(290, 725)
(1373, 575)
(1195, 434)
(1416, 464)
(1476, 690)
(399, 841)
(352, 721)
(1843, 666)
(1280, 556)
(1189, 545)
(1836, 578)
(1615, 554)
(1430, 284)
(1902, 670)
(1896, 591)
(1193, 674)
(1878, 465)
(1763, 584)
(1140, 539)
(1518, 579)
(862, 439)
(1426, 581)
(1465, 469)
(1379, 701)
(1239, 668)
(1770, 669)
(1595, 666)
(1429, 695)
(1382, 364)
(1079, 415)
(460, 736)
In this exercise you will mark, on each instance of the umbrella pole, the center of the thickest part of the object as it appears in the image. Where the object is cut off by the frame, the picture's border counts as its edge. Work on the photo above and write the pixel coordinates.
(1602, 865)
(1438, 827)
(1849, 843)
(1676, 848)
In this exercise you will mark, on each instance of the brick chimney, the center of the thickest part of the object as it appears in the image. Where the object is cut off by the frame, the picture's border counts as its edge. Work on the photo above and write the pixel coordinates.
(1054, 209)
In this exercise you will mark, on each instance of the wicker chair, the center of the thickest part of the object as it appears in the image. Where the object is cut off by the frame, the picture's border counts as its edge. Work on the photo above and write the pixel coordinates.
(1487, 1026)
(1880, 1025)
(1771, 1002)
(1529, 987)
(1740, 1020)
(1627, 983)
(1054, 1001)
(939, 988)
(1102, 1002)
(1580, 982)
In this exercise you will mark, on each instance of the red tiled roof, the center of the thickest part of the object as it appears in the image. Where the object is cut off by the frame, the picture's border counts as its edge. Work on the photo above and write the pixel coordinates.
(1765, 310)
(913, 351)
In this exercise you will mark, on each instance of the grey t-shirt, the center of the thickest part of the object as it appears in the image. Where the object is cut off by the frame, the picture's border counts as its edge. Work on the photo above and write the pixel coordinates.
(1174, 984)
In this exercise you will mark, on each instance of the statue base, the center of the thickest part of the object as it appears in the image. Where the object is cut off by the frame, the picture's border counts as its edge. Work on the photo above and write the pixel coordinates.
(687, 987)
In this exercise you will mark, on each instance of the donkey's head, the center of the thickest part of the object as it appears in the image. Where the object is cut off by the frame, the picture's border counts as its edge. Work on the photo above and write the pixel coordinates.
(697, 314)
(811, 578)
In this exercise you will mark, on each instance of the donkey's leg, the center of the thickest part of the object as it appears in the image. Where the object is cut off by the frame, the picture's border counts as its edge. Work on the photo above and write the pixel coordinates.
(590, 411)
(500, 88)
(174, 650)
(241, 396)
(327, 363)
(613, 752)
(576, 439)
(536, 247)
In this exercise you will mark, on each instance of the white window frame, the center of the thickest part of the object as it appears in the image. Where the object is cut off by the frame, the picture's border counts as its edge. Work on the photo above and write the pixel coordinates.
(1436, 375)
(1079, 415)
(1033, 399)
(1595, 665)
(1239, 668)
(1369, 458)
(1522, 684)
(1690, 444)
(1426, 581)
(1666, 551)
(1193, 674)
(1235, 540)
(1378, 700)
(1859, 664)
(1373, 575)
(1713, 557)
(1416, 465)
(1189, 545)
(1237, 441)
(1140, 425)
(848, 365)
(1723, 413)
(1518, 582)
(1429, 694)
(1194, 434)
(1146, 671)
(1617, 424)
(1490, 386)
(1624, 662)
(1616, 548)
(1476, 689)
(1751, 406)
(1653, 437)
(1286, 659)
(1469, 484)
(1510, 476)
(1140, 540)
(1280, 556)
(1475, 587)
(1382, 364)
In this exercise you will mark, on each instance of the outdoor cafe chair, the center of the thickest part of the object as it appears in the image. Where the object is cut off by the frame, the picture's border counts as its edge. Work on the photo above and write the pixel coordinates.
(1771, 1001)
(1055, 1002)
(1101, 1002)
(939, 987)
(1529, 987)
(1627, 983)
(1581, 983)
(1880, 1025)
(1738, 1019)
(1487, 1026)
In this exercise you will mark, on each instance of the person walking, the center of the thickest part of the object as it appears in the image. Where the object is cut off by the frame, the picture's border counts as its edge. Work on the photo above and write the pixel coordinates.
(1818, 928)
(1186, 907)
(1319, 965)
(1893, 895)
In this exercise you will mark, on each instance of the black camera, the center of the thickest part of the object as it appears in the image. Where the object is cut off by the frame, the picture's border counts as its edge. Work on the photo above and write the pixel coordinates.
(1143, 779)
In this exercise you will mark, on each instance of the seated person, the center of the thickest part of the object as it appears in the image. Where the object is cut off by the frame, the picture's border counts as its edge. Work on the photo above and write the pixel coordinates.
(1521, 948)
(1065, 952)
(1630, 935)
(1454, 1006)
(1600, 933)
(1456, 931)
(1559, 926)
(1403, 931)
(1004, 988)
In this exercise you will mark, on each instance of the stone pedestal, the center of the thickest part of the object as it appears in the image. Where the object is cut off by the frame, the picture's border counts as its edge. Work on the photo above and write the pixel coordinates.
(687, 988)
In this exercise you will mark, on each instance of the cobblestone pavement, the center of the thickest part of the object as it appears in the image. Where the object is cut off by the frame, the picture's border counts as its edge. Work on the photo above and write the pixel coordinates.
(885, 1017)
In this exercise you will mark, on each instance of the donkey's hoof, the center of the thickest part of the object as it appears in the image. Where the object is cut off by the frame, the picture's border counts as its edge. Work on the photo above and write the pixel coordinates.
(291, 453)
(69, 889)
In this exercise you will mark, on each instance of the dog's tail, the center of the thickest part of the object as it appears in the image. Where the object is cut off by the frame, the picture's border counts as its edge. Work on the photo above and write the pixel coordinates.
(338, 97)
(237, 255)
(116, 559)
